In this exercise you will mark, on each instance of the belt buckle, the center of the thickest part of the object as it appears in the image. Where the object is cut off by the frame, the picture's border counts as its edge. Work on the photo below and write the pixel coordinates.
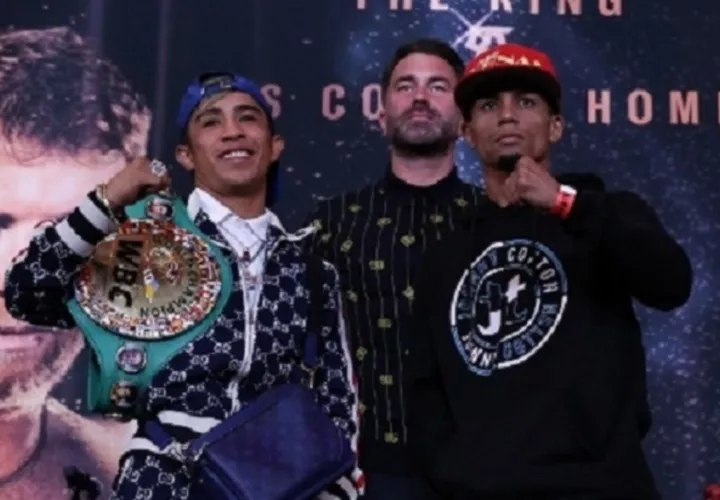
(149, 281)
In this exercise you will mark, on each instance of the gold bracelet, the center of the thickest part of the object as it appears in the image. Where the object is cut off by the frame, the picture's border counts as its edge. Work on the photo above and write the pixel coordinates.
(102, 196)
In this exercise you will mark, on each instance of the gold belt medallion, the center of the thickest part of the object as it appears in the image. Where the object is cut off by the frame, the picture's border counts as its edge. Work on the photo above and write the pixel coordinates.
(150, 280)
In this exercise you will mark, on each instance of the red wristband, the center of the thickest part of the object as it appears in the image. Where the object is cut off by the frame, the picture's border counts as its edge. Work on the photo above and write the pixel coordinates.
(564, 201)
(712, 492)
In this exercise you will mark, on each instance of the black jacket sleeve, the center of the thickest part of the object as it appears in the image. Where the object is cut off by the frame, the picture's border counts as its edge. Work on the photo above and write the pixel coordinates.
(430, 420)
(40, 281)
(634, 248)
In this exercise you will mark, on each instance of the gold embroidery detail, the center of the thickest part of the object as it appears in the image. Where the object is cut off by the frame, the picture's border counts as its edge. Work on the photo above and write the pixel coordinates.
(325, 237)
(384, 221)
(352, 296)
(384, 323)
(354, 208)
(377, 265)
(361, 353)
(386, 380)
(317, 224)
(346, 246)
(407, 240)
(496, 58)
(461, 202)
(436, 218)
(391, 438)
(409, 293)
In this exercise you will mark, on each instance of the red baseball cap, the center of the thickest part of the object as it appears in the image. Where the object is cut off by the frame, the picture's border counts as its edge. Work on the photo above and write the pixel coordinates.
(508, 67)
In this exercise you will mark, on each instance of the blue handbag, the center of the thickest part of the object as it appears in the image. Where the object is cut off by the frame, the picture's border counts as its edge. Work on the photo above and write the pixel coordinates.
(283, 446)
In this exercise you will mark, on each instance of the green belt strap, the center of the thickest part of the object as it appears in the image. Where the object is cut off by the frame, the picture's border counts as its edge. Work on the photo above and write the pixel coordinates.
(105, 376)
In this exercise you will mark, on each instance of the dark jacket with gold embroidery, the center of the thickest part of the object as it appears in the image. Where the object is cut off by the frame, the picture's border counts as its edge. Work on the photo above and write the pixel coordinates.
(375, 237)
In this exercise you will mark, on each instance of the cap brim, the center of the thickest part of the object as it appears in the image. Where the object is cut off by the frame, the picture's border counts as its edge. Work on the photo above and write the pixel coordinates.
(490, 82)
(198, 92)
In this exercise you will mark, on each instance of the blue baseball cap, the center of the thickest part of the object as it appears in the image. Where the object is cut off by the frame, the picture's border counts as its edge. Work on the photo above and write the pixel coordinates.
(218, 82)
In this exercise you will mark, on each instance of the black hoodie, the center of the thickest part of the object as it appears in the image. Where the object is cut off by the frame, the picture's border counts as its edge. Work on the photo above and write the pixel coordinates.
(527, 372)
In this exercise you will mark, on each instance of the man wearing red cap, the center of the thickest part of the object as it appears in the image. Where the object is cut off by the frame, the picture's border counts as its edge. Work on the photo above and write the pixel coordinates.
(528, 369)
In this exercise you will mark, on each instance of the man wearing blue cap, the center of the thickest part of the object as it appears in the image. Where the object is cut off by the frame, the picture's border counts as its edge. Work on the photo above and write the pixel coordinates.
(229, 144)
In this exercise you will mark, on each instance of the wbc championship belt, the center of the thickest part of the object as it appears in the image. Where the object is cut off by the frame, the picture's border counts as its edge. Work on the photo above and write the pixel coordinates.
(148, 290)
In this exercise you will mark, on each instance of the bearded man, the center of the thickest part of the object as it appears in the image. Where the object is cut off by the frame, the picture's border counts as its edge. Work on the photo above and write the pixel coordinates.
(375, 236)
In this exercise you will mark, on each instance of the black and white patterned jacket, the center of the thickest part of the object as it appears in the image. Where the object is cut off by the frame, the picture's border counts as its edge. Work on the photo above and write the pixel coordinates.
(220, 370)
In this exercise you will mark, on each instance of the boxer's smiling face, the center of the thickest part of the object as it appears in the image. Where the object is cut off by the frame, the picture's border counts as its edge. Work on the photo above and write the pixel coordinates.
(230, 144)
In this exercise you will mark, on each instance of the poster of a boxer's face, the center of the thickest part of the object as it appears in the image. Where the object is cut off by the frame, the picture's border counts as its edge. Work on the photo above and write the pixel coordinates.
(68, 122)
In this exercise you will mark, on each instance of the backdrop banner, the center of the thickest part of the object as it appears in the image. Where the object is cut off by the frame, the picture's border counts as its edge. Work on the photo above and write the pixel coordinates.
(86, 84)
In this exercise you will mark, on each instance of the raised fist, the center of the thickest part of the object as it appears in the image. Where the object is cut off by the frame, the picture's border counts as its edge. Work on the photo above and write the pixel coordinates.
(139, 178)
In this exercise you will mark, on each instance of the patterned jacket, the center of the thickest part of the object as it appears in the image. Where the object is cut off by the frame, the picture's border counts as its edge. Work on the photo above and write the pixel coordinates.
(218, 372)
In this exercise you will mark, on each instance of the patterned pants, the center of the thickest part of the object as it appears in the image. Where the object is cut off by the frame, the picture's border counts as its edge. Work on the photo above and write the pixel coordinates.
(146, 476)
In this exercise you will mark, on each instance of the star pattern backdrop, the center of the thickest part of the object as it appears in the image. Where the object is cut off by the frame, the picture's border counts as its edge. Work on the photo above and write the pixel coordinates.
(323, 62)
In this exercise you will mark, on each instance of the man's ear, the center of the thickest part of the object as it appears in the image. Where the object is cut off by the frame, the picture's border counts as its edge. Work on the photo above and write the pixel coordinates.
(184, 157)
(278, 146)
(557, 127)
(382, 120)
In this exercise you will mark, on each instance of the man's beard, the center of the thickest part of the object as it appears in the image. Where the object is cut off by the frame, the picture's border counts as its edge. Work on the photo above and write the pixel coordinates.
(424, 139)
